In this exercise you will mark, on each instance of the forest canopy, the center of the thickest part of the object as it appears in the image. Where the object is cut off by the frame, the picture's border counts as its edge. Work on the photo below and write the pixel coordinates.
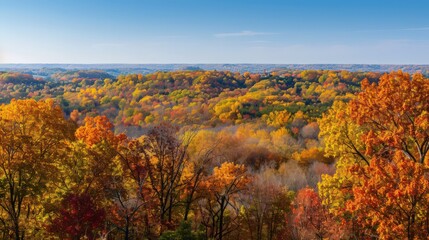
(195, 154)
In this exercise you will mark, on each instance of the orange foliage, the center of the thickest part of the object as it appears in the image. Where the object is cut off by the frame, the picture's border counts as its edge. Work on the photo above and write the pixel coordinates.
(229, 178)
(98, 129)
(397, 113)
(74, 115)
(220, 191)
(390, 188)
(394, 196)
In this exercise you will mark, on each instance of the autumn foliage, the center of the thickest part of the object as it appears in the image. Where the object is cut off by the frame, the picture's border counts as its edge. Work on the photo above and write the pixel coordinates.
(311, 219)
(382, 180)
(215, 155)
(78, 218)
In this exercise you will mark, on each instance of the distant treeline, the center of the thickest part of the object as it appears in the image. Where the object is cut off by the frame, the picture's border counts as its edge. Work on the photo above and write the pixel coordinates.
(117, 69)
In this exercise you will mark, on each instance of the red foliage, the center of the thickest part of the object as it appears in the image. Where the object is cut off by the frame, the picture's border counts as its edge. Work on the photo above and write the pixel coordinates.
(78, 217)
(310, 218)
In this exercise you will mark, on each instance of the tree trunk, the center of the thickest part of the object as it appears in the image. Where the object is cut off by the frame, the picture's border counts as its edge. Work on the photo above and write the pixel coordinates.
(16, 230)
(127, 229)
(221, 218)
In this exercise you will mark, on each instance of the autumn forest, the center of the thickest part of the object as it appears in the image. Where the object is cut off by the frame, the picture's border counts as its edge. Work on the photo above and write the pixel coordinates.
(194, 154)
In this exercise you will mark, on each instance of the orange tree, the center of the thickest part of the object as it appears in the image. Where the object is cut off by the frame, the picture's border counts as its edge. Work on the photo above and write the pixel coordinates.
(381, 139)
(220, 192)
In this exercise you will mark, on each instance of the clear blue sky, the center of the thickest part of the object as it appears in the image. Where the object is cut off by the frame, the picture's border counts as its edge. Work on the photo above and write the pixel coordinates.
(214, 31)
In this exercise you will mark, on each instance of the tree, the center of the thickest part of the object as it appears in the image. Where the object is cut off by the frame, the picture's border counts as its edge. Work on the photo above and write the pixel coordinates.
(265, 206)
(278, 118)
(165, 159)
(97, 130)
(79, 217)
(94, 168)
(195, 176)
(394, 196)
(342, 140)
(133, 205)
(221, 190)
(310, 218)
(74, 115)
(308, 156)
(382, 140)
(396, 113)
(32, 136)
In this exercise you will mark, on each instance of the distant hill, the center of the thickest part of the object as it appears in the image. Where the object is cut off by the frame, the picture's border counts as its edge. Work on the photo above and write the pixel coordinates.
(18, 78)
(79, 75)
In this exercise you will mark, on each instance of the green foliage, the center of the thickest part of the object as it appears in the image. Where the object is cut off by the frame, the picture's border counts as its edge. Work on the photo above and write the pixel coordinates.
(183, 232)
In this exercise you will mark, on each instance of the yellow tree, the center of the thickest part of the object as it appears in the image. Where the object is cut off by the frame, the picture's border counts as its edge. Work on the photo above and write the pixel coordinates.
(32, 140)
(341, 138)
(278, 118)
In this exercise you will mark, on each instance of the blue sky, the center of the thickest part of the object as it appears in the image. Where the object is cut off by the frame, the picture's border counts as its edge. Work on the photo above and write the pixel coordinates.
(214, 31)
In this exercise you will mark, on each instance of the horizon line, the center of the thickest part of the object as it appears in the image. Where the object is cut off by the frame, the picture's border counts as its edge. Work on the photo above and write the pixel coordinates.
(225, 63)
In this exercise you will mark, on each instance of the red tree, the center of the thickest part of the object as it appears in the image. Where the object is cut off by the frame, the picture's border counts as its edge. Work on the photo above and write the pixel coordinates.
(311, 219)
(78, 217)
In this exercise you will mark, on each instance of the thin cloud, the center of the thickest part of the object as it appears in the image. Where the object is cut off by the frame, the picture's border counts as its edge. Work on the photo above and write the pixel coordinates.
(172, 36)
(242, 34)
(108, 45)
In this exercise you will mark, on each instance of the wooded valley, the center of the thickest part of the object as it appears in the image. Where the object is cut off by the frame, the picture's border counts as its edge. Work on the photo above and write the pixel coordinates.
(288, 154)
